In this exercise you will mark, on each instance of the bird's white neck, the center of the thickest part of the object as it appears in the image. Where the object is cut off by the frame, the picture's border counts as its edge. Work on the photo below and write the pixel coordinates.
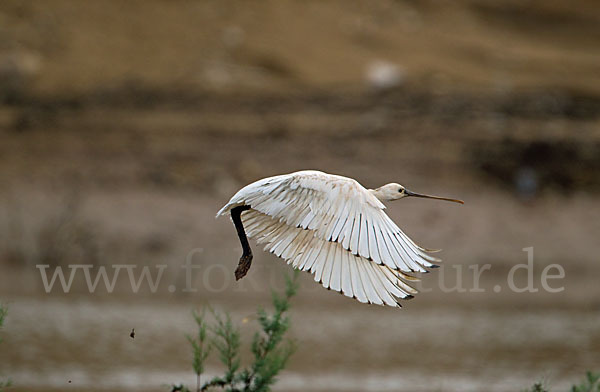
(378, 194)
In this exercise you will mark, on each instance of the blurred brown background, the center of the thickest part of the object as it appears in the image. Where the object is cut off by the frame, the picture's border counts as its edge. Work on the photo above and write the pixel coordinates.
(125, 126)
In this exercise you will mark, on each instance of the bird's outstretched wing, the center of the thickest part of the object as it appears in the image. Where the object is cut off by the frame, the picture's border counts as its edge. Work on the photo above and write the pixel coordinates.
(335, 228)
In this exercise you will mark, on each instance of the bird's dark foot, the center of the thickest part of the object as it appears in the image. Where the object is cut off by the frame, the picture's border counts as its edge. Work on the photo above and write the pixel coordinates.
(243, 266)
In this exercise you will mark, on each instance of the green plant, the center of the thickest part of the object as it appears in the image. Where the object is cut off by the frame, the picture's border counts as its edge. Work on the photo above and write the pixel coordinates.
(3, 311)
(200, 347)
(537, 387)
(269, 350)
(590, 384)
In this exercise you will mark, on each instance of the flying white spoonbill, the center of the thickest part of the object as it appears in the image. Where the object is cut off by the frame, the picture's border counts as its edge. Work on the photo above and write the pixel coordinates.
(334, 228)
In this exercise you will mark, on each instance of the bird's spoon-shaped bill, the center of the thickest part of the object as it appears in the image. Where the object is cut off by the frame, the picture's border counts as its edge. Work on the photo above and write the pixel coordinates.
(411, 193)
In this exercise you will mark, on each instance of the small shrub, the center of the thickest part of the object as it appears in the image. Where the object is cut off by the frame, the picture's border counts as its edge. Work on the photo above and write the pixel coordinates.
(537, 387)
(3, 311)
(200, 347)
(269, 350)
(590, 384)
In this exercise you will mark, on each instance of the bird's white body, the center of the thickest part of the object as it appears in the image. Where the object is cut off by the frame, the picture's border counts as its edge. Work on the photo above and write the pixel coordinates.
(336, 229)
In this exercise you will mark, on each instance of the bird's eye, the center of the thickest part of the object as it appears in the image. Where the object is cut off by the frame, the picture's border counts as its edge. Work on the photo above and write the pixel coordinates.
(401, 190)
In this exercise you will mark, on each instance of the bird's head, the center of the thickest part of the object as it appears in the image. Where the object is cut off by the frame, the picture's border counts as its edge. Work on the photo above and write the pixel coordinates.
(393, 191)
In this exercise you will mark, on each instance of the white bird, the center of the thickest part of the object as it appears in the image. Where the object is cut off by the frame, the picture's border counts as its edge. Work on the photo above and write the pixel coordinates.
(334, 228)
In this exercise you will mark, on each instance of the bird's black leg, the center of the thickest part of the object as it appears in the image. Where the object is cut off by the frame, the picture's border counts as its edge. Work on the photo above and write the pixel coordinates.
(246, 259)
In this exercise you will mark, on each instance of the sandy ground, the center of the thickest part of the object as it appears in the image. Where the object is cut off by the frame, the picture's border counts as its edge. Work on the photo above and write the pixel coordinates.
(423, 348)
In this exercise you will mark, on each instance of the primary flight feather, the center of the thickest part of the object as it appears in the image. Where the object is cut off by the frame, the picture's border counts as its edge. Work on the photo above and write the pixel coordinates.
(334, 228)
